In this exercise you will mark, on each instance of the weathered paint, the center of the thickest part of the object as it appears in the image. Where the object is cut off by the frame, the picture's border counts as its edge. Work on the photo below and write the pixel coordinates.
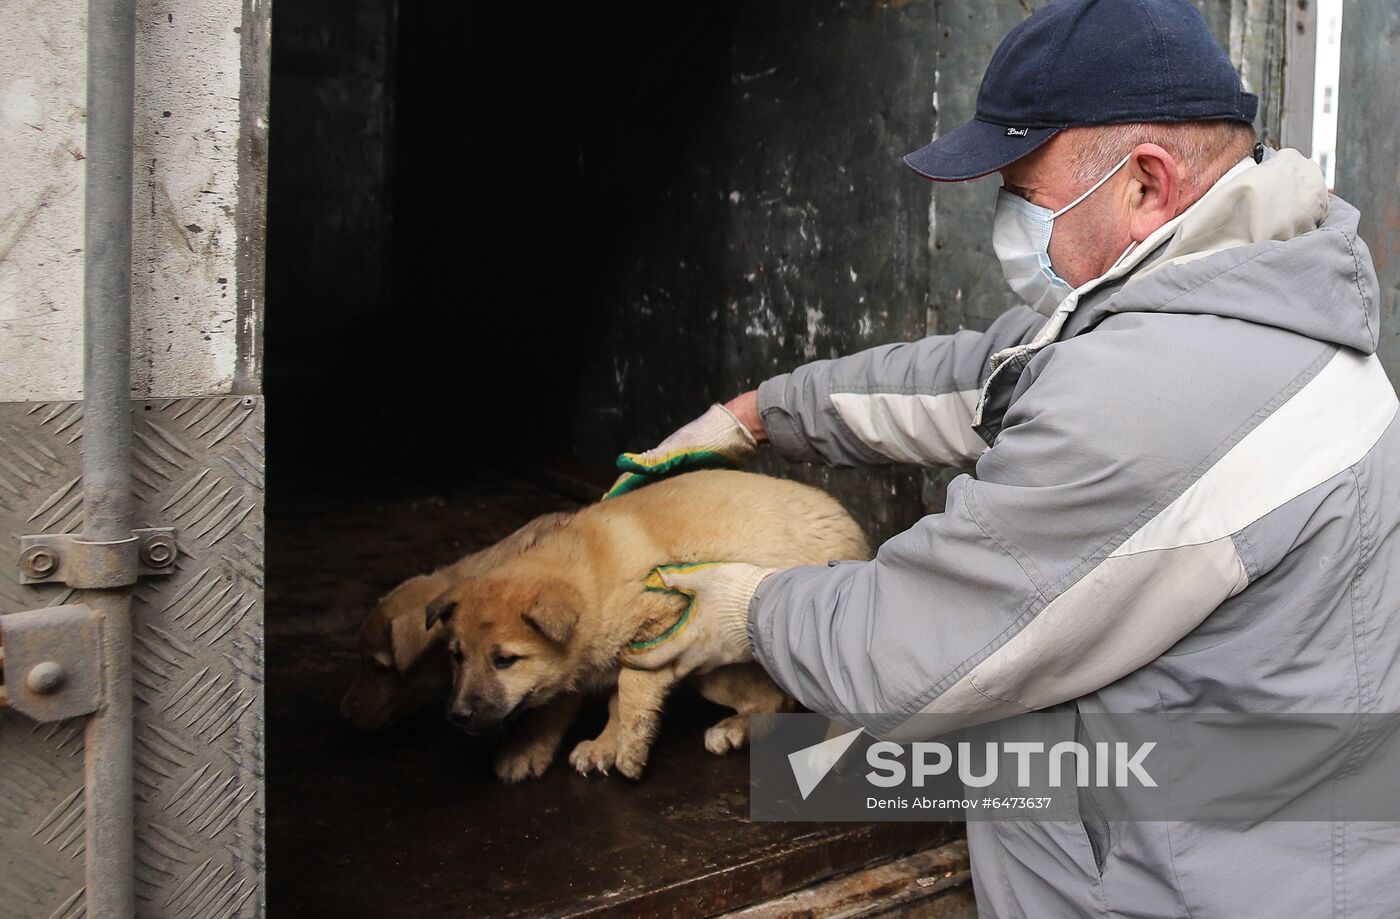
(1299, 75)
(795, 232)
(256, 65)
(790, 232)
(1368, 150)
(189, 132)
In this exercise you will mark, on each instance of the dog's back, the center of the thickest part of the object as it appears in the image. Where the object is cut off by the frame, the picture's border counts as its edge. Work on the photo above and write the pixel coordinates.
(724, 515)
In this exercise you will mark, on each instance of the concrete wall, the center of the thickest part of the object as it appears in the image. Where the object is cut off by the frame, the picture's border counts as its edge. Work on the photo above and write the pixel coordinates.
(200, 119)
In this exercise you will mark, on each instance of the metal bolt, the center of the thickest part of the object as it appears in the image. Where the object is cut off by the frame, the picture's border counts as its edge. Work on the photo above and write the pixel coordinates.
(38, 561)
(45, 677)
(158, 551)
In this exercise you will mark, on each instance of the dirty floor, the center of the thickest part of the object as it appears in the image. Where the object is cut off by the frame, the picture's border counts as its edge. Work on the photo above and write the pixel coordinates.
(413, 823)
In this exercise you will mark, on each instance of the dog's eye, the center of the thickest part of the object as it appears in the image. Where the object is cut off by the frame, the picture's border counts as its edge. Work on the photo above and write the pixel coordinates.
(502, 661)
(457, 655)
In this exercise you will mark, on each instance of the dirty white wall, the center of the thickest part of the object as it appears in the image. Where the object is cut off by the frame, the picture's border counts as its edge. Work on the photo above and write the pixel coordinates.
(200, 117)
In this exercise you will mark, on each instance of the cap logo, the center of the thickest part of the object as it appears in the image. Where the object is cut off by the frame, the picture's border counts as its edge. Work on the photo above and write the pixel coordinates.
(1017, 132)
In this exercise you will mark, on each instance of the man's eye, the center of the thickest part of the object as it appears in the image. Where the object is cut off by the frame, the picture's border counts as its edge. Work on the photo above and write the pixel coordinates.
(381, 666)
(502, 661)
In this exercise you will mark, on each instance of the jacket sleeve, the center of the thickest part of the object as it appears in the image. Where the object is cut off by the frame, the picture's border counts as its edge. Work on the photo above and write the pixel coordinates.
(910, 402)
(1075, 557)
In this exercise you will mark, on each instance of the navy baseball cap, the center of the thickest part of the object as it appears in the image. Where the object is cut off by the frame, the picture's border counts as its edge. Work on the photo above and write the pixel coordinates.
(1087, 62)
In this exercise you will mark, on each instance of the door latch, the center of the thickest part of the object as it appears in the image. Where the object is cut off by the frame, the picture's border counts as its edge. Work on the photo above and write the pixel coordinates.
(51, 662)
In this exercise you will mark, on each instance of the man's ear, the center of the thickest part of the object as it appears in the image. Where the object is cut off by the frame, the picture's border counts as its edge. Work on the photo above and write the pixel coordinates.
(554, 613)
(1157, 180)
(440, 610)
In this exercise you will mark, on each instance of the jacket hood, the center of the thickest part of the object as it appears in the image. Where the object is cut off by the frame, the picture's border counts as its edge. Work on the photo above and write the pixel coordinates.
(1267, 245)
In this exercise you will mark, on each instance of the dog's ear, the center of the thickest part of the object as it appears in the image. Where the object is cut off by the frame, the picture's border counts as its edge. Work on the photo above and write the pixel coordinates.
(554, 612)
(440, 610)
(408, 642)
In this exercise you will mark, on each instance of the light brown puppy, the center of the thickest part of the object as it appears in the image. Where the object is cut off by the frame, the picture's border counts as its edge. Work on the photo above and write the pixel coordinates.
(533, 633)
(403, 665)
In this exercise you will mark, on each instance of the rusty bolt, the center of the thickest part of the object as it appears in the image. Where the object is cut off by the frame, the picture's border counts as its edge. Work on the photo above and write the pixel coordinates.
(45, 677)
(158, 551)
(38, 561)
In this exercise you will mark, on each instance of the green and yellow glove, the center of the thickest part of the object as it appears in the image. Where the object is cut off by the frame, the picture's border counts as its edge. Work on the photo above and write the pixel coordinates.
(715, 440)
(714, 629)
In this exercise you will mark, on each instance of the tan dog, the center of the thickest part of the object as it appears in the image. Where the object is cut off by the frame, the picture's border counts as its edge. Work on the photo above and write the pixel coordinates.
(535, 632)
(403, 665)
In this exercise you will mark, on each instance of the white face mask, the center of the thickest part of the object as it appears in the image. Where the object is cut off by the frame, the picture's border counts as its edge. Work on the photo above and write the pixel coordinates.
(1021, 239)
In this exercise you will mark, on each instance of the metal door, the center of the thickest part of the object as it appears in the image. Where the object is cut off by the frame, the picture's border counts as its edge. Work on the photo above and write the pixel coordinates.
(131, 742)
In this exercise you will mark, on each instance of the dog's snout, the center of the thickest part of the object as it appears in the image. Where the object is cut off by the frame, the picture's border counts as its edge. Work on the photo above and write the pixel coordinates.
(460, 715)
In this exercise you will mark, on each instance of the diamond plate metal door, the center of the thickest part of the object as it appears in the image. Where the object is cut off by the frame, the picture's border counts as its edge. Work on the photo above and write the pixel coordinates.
(198, 749)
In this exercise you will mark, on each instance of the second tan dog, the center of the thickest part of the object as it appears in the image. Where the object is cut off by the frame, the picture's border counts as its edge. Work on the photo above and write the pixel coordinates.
(403, 666)
(531, 635)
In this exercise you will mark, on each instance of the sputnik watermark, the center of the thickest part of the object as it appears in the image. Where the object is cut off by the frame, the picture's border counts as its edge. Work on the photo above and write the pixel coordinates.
(811, 764)
(1112, 764)
(1073, 765)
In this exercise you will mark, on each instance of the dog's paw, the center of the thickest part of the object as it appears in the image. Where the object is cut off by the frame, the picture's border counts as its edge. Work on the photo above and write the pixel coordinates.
(516, 764)
(730, 734)
(632, 758)
(594, 756)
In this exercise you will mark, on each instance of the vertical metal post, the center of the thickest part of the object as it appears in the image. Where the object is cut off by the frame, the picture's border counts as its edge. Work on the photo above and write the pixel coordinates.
(111, 78)
(1368, 149)
(1299, 70)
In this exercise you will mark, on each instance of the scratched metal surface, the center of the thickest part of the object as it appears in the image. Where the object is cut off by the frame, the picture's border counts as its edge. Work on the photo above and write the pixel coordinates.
(200, 115)
(786, 228)
(1368, 150)
(780, 228)
(198, 665)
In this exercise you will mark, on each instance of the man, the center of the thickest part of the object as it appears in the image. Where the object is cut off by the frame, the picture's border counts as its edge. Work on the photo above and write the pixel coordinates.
(1186, 493)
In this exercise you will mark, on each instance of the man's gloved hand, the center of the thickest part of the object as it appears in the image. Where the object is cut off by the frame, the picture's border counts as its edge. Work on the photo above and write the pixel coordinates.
(717, 439)
(714, 629)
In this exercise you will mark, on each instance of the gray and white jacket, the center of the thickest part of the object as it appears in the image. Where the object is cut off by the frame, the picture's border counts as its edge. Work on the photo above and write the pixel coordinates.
(1186, 498)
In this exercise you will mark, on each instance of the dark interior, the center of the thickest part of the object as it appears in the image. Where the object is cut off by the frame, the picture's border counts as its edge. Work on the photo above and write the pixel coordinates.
(518, 162)
(507, 241)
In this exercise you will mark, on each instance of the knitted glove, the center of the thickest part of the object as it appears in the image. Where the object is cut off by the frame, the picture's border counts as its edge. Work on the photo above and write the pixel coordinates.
(714, 440)
(713, 630)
